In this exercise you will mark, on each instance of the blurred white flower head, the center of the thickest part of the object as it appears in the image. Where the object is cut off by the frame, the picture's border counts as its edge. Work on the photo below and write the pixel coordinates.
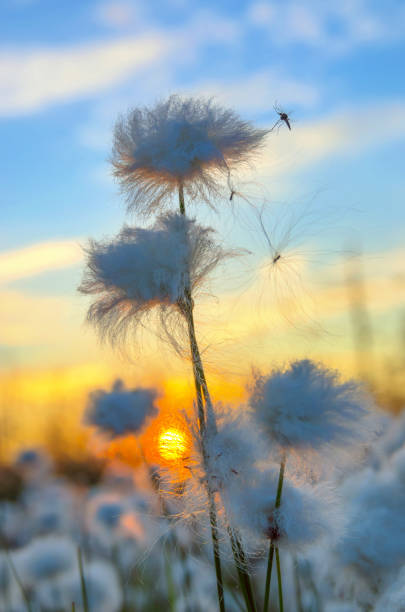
(305, 515)
(45, 558)
(120, 411)
(307, 406)
(232, 449)
(104, 592)
(146, 268)
(182, 141)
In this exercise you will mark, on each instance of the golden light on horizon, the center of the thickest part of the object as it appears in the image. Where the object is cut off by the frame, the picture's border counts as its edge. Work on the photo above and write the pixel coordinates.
(172, 444)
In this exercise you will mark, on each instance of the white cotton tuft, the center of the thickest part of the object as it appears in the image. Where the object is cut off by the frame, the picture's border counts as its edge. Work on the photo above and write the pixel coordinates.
(374, 542)
(146, 268)
(120, 411)
(307, 406)
(187, 141)
(306, 514)
(232, 448)
(45, 558)
(103, 590)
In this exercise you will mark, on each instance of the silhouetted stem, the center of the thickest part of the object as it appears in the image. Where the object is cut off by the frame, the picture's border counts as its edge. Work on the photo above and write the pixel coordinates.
(268, 577)
(202, 390)
(240, 564)
(18, 580)
(82, 581)
(280, 586)
(273, 548)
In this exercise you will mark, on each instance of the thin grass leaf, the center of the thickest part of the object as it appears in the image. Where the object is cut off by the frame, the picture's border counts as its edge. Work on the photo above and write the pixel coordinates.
(82, 581)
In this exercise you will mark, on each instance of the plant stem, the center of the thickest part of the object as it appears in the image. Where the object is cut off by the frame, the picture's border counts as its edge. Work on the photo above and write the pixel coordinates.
(268, 577)
(18, 580)
(244, 578)
(280, 586)
(280, 482)
(202, 389)
(82, 581)
(273, 548)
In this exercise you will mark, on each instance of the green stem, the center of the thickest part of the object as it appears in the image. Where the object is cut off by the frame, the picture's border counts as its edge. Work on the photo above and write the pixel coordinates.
(202, 389)
(18, 580)
(280, 482)
(280, 586)
(268, 577)
(82, 581)
(243, 575)
(272, 548)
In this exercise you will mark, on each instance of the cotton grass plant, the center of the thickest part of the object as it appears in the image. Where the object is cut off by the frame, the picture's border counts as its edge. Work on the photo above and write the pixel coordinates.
(183, 151)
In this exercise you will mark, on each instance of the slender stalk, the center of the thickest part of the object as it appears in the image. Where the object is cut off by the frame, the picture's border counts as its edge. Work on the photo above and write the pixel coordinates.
(244, 578)
(280, 482)
(280, 586)
(268, 577)
(82, 581)
(202, 390)
(272, 547)
(18, 580)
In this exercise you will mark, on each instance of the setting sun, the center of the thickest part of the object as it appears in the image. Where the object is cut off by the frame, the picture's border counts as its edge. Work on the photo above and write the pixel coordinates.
(172, 444)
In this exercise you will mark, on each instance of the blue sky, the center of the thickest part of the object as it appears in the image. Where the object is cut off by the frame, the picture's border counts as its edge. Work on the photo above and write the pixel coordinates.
(66, 71)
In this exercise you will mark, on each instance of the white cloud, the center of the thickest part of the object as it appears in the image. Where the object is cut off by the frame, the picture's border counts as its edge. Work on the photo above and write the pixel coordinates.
(34, 78)
(42, 257)
(344, 132)
(258, 92)
(334, 27)
(117, 14)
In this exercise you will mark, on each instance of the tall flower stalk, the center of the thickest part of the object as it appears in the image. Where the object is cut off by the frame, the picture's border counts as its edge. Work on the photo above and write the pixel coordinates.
(185, 149)
(188, 146)
(201, 390)
(273, 548)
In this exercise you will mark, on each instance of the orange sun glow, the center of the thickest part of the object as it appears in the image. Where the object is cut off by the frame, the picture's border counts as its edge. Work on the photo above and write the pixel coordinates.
(172, 444)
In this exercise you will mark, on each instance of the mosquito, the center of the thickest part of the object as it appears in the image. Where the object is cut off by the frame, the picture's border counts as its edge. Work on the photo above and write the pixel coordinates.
(282, 117)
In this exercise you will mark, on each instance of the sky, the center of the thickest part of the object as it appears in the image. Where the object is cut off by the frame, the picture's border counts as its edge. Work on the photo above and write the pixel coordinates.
(333, 186)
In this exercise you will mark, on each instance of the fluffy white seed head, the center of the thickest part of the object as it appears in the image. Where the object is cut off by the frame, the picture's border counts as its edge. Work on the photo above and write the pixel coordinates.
(374, 543)
(232, 449)
(305, 515)
(103, 590)
(45, 558)
(188, 141)
(146, 268)
(308, 406)
(120, 411)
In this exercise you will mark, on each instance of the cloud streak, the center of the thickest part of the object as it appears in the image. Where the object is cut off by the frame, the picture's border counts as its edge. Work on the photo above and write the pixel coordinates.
(350, 131)
(38, 258)
(34, 78)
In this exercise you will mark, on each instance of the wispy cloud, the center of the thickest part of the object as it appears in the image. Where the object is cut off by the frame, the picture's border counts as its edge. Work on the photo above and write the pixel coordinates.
(33, 78)
(348, 132)
(266, 85)
(118, 14)
(35, 320)
(334, 27)
(35, 259)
